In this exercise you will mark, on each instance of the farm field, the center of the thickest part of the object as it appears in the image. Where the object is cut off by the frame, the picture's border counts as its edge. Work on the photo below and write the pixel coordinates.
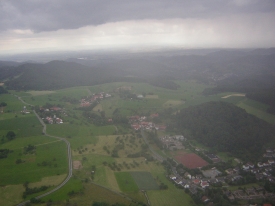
(126, 182)
(104, 149)
(145, 181)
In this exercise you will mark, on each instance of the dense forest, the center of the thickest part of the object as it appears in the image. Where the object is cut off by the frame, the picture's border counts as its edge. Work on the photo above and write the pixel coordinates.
(225, 127)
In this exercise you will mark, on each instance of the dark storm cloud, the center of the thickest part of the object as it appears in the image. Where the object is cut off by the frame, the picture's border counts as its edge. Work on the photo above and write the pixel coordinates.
(50, 15)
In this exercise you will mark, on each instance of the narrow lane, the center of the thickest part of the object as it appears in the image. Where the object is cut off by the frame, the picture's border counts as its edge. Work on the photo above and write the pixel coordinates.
(70, 167)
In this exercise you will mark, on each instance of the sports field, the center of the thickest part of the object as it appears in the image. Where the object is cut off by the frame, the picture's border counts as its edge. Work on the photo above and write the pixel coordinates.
(191, 160)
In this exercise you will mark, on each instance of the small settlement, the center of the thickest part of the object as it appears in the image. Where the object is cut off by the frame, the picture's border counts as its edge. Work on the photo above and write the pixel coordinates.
(138, 123)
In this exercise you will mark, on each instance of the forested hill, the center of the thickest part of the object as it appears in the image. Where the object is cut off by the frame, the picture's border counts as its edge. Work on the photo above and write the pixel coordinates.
(52, 75)
(225, 127)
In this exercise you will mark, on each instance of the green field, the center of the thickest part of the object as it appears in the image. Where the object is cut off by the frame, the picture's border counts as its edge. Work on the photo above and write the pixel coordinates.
(52, 152)
(88, 142)
(145, 181)
(126, 182)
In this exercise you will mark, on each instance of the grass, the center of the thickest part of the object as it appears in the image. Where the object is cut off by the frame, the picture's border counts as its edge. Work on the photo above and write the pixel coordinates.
(11, 194)
(66, 130)
(38, 93)
(126, 182)
(52, 180)
(257, 110)
(62, 194)
(12, 173)
(145, 181)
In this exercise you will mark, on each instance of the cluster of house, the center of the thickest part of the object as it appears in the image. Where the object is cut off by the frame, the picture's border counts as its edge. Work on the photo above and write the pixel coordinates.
(85, 102)
(172, 142)
(54, 120)
(138, 123)
(248, 194)
(192, 183)
(52, 109)
(25, 111)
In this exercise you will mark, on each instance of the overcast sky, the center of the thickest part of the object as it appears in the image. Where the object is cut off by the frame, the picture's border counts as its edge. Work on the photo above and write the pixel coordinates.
(43, 25)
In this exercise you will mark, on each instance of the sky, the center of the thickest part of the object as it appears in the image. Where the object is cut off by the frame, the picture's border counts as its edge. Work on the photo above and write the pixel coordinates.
(62, 25)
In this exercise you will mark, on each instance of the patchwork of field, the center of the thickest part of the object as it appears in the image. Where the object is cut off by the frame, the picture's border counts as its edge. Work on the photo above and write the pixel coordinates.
(191, 160)
(94, 147)
(126, 182)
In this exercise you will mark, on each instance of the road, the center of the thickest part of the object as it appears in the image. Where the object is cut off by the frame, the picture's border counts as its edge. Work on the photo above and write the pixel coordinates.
(70, 168)
(155, 154)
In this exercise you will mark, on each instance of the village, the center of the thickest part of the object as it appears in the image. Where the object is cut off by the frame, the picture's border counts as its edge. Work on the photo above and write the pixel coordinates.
(262, 172)
(86, 102)
(138, 123)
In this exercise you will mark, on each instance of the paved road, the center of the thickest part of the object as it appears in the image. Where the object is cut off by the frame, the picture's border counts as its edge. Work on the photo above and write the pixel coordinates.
(68, 153)
(155, 154)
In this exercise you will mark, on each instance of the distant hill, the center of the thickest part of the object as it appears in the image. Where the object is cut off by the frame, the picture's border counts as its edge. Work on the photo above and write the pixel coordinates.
(230, 70)
(54, 75)
(8, 63)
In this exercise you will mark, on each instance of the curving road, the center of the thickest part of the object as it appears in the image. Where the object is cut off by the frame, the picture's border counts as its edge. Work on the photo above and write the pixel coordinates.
(68, 153)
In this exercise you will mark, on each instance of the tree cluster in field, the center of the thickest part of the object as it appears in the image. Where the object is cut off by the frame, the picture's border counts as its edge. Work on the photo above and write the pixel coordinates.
(226, 127)
(29, 191)
(3, 104)
(4, 153)
(9, 137)
(118, 166)
(30, 149)
(48, 163)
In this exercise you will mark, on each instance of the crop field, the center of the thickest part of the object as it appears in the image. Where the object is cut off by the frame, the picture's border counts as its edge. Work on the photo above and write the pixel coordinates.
(126, 182)
(191, 160)
(145, 181)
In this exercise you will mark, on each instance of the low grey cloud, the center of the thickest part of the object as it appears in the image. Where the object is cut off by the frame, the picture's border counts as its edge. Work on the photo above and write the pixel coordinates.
(50, 15)
(42, 25)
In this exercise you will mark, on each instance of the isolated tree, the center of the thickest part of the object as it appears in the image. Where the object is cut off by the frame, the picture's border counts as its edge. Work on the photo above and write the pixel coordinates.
(10, 135)
(3, 104)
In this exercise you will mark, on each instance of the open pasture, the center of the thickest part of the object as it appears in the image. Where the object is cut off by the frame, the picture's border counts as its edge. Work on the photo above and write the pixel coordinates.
(23, 125)
(126, 182)
(13, 104)
(145, 181)
(52, 154)
(190, 160)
